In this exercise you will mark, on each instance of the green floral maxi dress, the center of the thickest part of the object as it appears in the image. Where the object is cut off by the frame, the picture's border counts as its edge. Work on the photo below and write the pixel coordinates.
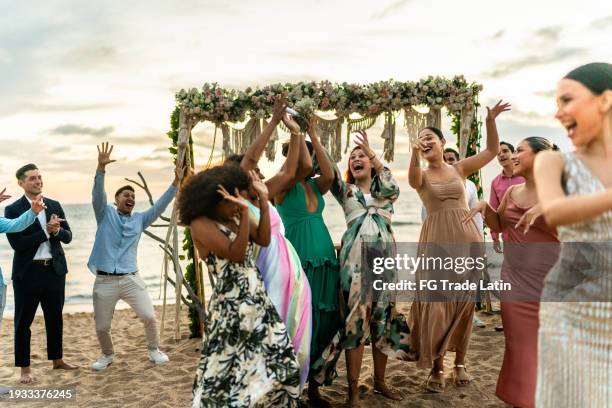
(247, 358)
(368, 218)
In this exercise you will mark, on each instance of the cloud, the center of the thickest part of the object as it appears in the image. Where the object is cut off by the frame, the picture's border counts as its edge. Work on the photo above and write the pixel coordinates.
(72, 129)
(311, 54)
(49, 107)
(60, 149)
(546, 94)
(389, 9)
(508, 67)
(86, 57)
(498, 35)
(549, 34)
(601, 23)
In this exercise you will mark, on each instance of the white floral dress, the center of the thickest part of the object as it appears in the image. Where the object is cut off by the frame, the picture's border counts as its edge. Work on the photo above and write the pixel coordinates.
(247, 358)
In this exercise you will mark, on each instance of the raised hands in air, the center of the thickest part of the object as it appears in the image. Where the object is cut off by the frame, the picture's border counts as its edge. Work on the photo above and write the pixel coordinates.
(500, 106)
(258, 185)
(361, 140)
(291, 124)
(279, 109)
(104, 152)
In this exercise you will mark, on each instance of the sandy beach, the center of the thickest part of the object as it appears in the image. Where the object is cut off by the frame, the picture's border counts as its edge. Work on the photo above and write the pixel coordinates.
(133, 381)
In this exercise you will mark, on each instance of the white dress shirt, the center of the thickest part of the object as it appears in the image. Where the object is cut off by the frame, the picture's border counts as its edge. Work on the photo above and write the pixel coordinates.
(44, 250)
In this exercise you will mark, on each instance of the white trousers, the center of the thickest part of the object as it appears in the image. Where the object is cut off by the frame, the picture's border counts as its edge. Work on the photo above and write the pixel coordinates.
(107, 291)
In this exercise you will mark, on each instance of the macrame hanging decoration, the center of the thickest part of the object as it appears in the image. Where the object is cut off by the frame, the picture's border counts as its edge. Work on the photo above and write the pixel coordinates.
(252, 129)
(465, 128)
(353, 125)
(330, 134)
(243, 137)
(434, 118)
(413, 122)
(227, 141)
(388, 134)
(271, 146)
(237, 137)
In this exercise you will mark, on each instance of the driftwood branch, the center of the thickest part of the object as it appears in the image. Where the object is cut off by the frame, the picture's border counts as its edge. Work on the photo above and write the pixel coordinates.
(155, 237)
(197, 303)
(185, 301)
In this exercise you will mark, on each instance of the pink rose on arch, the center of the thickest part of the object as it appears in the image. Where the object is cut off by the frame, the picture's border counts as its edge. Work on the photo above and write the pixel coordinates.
(325, 102)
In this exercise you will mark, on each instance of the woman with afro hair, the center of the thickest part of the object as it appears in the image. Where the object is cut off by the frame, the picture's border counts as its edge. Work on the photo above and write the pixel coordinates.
(247, 358)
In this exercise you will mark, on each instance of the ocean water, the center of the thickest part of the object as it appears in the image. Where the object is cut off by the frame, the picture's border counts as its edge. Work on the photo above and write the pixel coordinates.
(79, 281)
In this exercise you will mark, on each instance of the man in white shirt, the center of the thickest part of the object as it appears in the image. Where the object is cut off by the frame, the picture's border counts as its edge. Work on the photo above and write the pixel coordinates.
(39, 271)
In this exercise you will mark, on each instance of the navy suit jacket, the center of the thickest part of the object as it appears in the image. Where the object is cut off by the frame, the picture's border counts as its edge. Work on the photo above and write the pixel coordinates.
(26, 242)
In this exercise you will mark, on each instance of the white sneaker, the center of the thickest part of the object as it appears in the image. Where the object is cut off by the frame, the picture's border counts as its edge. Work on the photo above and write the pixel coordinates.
(103, 362)
(158, 357)
(478, 322)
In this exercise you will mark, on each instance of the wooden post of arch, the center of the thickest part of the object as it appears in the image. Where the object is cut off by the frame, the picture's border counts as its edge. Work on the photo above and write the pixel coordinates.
(182, 159)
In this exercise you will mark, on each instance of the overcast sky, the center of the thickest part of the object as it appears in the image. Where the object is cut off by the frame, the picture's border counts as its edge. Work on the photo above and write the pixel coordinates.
(74, 74)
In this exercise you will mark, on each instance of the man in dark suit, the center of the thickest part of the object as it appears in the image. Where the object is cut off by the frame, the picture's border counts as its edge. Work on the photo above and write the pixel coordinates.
(39, 271)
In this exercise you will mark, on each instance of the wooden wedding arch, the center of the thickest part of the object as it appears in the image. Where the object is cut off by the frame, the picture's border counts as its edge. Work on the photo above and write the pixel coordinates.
(340, 108)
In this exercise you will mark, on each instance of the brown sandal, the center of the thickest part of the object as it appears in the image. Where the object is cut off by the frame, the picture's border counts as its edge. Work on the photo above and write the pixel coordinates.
(430, 382)
(380, 387)
(461, 381)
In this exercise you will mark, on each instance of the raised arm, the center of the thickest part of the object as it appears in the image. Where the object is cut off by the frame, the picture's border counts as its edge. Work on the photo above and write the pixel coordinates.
(557, 208)
(415, 173)
(326, 178)
(150, 215)
(285, 178)
(260, 233)
(476, 162)
(98, 195)
(256, 149)
(304, 168)
(383, 183)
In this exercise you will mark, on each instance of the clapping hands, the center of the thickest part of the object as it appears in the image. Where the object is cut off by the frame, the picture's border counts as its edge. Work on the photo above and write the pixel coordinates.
(38, 204)
(4, 196)
(53, 226)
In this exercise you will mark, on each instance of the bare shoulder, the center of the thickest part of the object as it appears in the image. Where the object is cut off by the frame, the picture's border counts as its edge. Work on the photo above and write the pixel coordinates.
(202, 224)
(547, 161)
